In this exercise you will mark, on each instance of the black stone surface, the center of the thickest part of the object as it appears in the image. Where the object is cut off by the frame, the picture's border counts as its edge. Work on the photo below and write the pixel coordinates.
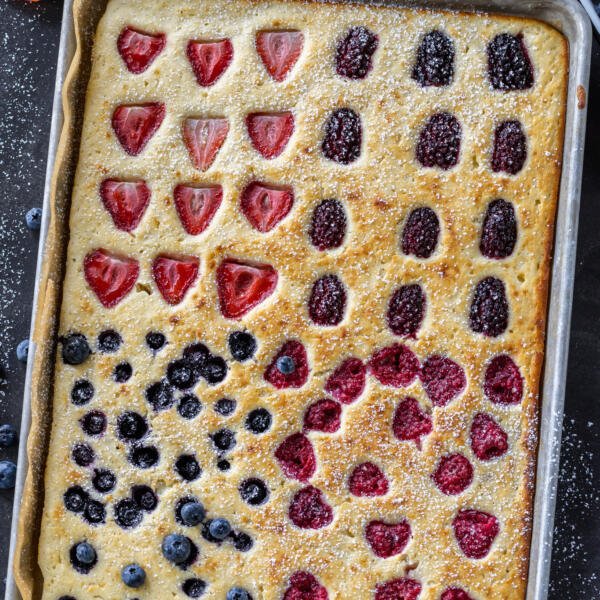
(29, 34)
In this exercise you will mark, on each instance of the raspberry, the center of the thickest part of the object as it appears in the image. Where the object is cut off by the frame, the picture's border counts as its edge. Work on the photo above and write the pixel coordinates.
(355, 53)
(305, 586)
(475, 532)
(368, 480)
(499, 230)
(503, 381)
(298, 376)
(509, 66)
(489, 308)
(510, 148)
(387, 539)
(410, 422)
(455, 593)
(343, 136)
(402, 588)
(328, 225)
(488, 439)
(395, 365)
(327, 301)
(439, 142)
(443, 379)
(296, 457)
(323, 415)
(309, 509)
(435, 60)
(453, 475)
(421, 233)
(347, 382)
(406, 310)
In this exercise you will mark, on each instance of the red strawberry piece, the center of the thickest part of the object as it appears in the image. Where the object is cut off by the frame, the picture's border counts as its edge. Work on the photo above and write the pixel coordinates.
(110, 276)
(475, 532)
(406, 310)
(455, 593)
(387, 539)
(270, 132)
(279, 51)
(309, 509)
(196, 206)
(126, 201)
(305, 586)
(347, 382)
(503, 381)
(209, 60)
(134, 125)
(323, 415)
(488, 439)
(297, 378)
(174, 275)
(367, 479)
(402, 588)
(242, 286)
(443, 379)
(139, 49)
(453, 475)
(203, 139)
(265, 206)
(296, 457)
(411, 422)
(327, 302)
(395, 365)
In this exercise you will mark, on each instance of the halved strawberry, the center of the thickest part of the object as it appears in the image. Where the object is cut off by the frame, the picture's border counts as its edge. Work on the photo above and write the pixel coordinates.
(111, 276)
(174, 275)
(265, 206)
(270, 132)
(126, 201)
(134, 125)
(139, 49)
(209, 60)
(243, 285)
(196, 206)
(279, 51)
(203, 139)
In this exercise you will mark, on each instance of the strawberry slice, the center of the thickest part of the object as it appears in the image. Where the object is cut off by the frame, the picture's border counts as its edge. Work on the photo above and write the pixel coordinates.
(126, 201)
(242, 286)
(265, 206)
(139, 49)
(196, 206)
(203, 139)
(279, 51)
(209, 60)
(174, 275)
(270, 132)
(134, 125)
(111, 276)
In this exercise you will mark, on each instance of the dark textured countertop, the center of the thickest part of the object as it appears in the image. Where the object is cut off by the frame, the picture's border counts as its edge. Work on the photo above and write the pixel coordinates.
(29, 35)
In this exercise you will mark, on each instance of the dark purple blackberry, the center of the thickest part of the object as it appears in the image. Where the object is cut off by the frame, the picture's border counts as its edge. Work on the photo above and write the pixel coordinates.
(160, 395)
(354, 54)
(93, 423)
(254, 491)
(94, 512)
(499, 230)
(155, 340)
(489, 308)
(144, 457)
(83, 557)
(242, 542)
(83, 455)
(187, 467)
(189, 406)
(509, 65)
(75, 498)
(406, 310)
(214, 370)
(109, 341)
(242, 345)
(258, 420)
(435, 60)
(421, 232)
(328, 225)
(122, 372)
(75, 349)
(131, 426)
(127, 513)
(224, 439)
(104, 481)
(193, 587)
(225, 407)
(510, 148)
(82, 392)
(439, 142)
(144, 497)
(343, 136)
(327, 302)
(181, 374)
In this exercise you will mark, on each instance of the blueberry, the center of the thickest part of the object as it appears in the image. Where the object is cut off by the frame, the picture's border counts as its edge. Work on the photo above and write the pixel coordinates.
(181, 374)
(8, 436)
(82, 392)
(192, 513)
(94, 512)
(127, 513)
(223, 465)
(237, 593)
(242, 542)
(75, 349)
(109, 341)
(254, 491)
(75, 499)
(131, 426)
(242, 345)
(189, 406)
(219, 528)
(286, 365)
(224, 439)
(214, 370)
(133, 576)
(67, 598)
(258, 420)
(193, 588)
(155, 340)
(160, 395)
(180, 504)
(33, 218)
(196, 355)
(122, 372)
(144, 457)
(104, 480)
(225, 406)
(83, 557)
(144, 497)
(83, 455)
(23, 351)
(93, 423)
(187, 467)
(176, 548)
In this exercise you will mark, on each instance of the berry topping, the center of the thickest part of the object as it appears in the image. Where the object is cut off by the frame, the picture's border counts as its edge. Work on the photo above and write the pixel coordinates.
(285, 365)
(214, 370)
(242, 286)
(111, 276)
(499, 230)
(411, 422)
(209, 60)
(242, 542)
(176, 548)
(93, 423)
(266, 206)
(455, 593)
(503, 381)
(475, 532)
(439, 142)
(223, 465)
(305, 586)
(122, 372)
(242, 345)
(193, 588)
(82, 392)
(126, 202)
(309, 509)
(270, 132)
(75, 499)
(443, 379)
(279, 51)
(219, 529)
(402, 588)
(509, 66)
(139, 49)
(135, 125)
(203, 139)
(510, 148)
(155, 340)
(387, 539)
(296, 457)
(181, 375)
(354, 54)
(33, 218)
(225, 406)
(488, 439)
(295, 378)
(395, 365)
(174, 276)
(254, 491)
(327, 302)
(75, 349)
(144, 457)
(127, 513)
(109, 341)
(368, 480)
(343, 136)
(421, 233)
(196, 355)
(489, 308)
(323, 415)
(144, 497)
(192, 513)
(8, 436)
(133, 576)
(83, 557)
(258, 420)
(328, 225)
(347, 382)
(104, 480)
(197, 206)
(187, 467)
(435, 60)
(189, 406)
(94, 512)
(83, 455)
(8, 474)
(223, 439)
(131, 426)
(237, 593)
(406, 310)
(453, 474)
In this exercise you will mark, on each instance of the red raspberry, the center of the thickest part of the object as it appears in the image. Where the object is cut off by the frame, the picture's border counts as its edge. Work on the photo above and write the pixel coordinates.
(297, 378)
(355, 53)
(410, 422)
(402, 588)
(309, 509)
(453, 475)
(509, 65)
(305, 586)
(324, 415)
(327, 302)
(435, 60)
(328, 225)
(406, 310)
(489, 308)
(499, 230)
(439, 142)
(347, 382)
(475, 532)
(296, 457)
(343, 136)
(510, 148)
(368, 479)
(443, 379)
(488, 439)
(455, 593)
(387, 539)
(503, 381)
(421, 233)
(395, 365)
